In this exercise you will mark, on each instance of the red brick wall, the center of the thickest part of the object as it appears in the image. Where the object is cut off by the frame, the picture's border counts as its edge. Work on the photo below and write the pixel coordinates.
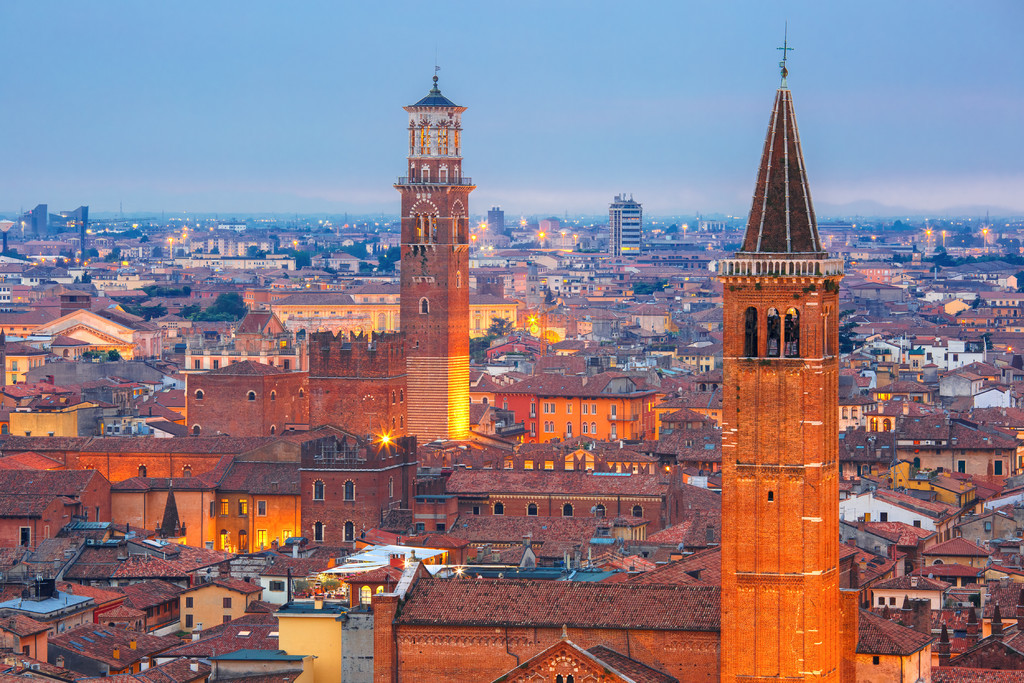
(120, 466)
(780, 485)
(457, 654)
(358, 384)
(225, 408)
(381, 480)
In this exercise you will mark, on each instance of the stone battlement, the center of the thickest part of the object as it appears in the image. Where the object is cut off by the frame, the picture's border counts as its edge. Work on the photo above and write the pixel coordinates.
(358, 355)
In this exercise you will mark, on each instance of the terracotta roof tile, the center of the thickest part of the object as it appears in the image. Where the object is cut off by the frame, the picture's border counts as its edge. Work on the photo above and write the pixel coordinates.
(486, 602)
(878, 636)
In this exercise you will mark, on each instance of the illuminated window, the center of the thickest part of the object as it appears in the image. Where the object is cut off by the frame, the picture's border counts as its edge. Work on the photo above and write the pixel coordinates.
(243, 506)
(225, 507)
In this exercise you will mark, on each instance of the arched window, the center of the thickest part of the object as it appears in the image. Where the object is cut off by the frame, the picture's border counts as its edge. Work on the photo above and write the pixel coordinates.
(243, 541)
(391, 487)
(424, 306)
(273, 395)
(458, 279)
(593, 428)
(195, 430)
(499, 508)
(567, 510)
(382, 322)
(599, 510)
(318, 490)
(393, 396)
(365, 595)
(792, 333)
(401, 395)
(874, 424)
(199, 394)
(917, 463)
(531, 509)
(774, 333)
(142, 470)
(638, 511)
(750, 333)
(302, 393)
(186, 471)
(887, 424)
(4, 429)
(585, 428)
(273, 429)
(568, 430)
(401, 421)
(251, 396)
(318, 531)
(350, 490)
(350, 531)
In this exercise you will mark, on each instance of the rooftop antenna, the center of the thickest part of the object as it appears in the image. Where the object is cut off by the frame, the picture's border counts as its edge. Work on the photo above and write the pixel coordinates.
(785, 52)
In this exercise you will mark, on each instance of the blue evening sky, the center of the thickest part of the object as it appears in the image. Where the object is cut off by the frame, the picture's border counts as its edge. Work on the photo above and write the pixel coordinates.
(296, 106)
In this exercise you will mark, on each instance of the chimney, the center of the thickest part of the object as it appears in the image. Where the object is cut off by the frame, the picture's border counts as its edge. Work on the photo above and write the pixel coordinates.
(913, 579)
(295, 549)
(920, 616)
(997, 625)
(943, 647)
(396, 560)
(906, 408)
(318, 602)
(197, 631)
(133, 644)
(972, 623)
(117, 653)
(59, 662)
(193, 666)
(1020, 604)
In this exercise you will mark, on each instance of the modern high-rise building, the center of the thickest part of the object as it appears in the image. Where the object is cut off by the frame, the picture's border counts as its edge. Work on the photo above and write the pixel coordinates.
(36, 223)
(435, 270)
(780, 418)
(625, 226)
(496, 220)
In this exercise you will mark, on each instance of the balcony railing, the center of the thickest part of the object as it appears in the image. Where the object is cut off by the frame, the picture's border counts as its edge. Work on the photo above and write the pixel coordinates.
(446, 180)
(617, 417)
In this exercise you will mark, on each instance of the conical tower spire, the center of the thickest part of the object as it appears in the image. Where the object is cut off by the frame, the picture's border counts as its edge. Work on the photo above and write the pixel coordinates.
(782, 216)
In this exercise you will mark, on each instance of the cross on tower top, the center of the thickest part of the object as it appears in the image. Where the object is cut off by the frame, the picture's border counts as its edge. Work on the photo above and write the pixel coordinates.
(785, 52)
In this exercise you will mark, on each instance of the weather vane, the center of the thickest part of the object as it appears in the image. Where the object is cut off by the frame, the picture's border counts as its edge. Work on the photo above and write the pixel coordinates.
(785, 50)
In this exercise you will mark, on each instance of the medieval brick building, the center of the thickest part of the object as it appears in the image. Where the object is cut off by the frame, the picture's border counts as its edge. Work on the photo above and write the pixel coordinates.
(246, 399)
(347, 485)
(358, 383)
(780, 416)
(435, 270)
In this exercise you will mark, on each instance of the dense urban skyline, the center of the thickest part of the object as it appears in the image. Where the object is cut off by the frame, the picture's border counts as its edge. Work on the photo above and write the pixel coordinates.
(247, 108)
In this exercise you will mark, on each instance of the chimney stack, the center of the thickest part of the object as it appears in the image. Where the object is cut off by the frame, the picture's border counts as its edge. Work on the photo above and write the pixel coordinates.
(997, 625)
(943, 647)
(117, 653)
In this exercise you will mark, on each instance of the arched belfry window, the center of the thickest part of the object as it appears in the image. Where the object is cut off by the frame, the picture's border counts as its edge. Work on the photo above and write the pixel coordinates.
(774, 333)
(792, 333)
(424, 306)
(750, 333)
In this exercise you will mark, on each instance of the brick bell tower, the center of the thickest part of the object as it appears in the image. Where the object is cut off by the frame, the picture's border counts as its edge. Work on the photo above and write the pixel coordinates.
(435, 270)
(780, 497)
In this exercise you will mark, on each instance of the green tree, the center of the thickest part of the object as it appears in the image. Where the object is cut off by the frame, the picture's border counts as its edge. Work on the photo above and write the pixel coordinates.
(478, 348)
(846, 331)
(113, 355)
(500, 327)
(303, 259)
(114, 255)
(252, 251)
(647, 288)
